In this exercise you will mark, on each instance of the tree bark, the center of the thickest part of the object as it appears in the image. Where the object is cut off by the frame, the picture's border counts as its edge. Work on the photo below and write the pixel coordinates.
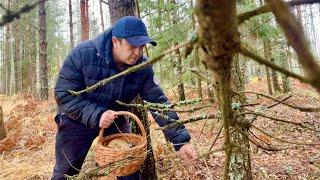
(84, 20)
(120, 9)
(71, 25)
(43, 64)
(219, 37)
(3, 133)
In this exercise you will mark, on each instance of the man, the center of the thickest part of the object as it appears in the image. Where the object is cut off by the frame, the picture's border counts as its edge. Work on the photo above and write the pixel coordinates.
(79, 118)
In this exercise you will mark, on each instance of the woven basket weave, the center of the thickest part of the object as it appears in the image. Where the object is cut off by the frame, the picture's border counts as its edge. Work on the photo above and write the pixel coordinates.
(122, 162)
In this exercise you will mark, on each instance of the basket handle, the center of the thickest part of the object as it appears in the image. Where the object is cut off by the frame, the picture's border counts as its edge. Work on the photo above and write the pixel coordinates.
(134, 117)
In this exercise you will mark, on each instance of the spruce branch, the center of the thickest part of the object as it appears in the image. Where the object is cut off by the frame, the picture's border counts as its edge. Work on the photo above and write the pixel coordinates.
(296, 38)
(242, 17)
(193, 119)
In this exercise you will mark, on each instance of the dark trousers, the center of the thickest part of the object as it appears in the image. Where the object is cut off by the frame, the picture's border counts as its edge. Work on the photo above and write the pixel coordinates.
(73, 141)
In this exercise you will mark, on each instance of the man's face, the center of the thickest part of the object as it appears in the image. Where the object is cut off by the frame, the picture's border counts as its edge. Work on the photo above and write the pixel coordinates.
(124, 52)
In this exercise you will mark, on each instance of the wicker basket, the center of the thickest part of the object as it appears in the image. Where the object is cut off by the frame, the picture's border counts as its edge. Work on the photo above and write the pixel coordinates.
(122, 162)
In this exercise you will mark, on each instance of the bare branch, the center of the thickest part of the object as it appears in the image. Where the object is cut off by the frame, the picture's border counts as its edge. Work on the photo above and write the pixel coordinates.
(263, 61)
(257, 144)
(265, 9)
(295, 36)
(303, 109)
(279, 120)
(283, 140)
(106, 2)
(11, 15)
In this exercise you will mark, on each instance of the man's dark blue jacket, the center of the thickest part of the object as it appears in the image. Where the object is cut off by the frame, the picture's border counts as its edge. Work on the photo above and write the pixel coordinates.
(92, 61)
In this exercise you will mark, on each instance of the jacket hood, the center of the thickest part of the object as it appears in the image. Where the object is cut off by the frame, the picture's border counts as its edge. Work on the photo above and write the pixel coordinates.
(103, 41)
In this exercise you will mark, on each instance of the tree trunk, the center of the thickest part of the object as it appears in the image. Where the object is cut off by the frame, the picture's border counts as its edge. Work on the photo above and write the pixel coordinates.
(3, 133)
(7, 53)
(196, 54)
(101, 16)
(286, 85)
(237, 77)
(12, 66)
(199, 82)
(266, 48)
(275, 79)
(182, 95)
(219, 37)
(71, 25)
(2, 73)
(179, 71)
(16, 56)
(148, 169)
(313, 32)
(84, 20)
(43, 64)
(120, 9)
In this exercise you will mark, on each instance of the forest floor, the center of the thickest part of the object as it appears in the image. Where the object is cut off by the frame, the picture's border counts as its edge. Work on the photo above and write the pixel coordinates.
(28, 150)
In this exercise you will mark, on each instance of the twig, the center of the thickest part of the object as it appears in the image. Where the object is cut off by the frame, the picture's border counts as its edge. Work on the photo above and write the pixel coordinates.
(252, 104)
(283, 140)
(65, 156)
(179, 122)
(192, 109)
(303, 109)
(128, 71)
(210, 152)
(215, 140)
(106, 2)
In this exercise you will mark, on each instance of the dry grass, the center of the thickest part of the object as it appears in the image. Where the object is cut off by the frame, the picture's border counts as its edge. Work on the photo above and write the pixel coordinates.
(29, 148)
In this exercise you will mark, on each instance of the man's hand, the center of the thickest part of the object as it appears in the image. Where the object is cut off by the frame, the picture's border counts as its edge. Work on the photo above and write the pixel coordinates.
(187, 153)
(107, 118)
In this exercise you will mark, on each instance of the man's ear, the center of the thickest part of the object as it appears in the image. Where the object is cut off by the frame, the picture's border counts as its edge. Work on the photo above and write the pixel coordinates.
(114, 42)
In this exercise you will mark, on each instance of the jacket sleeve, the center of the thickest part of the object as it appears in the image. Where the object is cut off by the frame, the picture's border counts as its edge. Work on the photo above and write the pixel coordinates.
(152, 92)
(76, 107)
